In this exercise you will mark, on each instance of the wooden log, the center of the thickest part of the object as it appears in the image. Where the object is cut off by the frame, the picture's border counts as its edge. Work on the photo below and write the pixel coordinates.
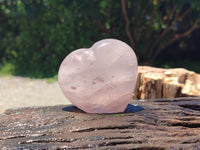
(166, 83)
(146, 124)
(149, 86)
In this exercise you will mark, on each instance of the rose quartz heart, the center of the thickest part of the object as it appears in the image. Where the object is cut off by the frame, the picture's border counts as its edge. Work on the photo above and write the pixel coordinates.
(100, 79)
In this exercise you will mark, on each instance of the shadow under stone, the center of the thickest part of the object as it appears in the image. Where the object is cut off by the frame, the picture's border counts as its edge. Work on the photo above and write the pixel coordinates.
(133, 109)
(129, 109)
(72, 108)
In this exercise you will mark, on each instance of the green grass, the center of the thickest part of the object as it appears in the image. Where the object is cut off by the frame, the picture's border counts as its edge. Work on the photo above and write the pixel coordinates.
(6, 69)
(118, 115)
(52, 79)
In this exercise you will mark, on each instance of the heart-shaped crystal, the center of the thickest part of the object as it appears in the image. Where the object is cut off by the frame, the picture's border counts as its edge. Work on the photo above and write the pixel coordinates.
(100, 79)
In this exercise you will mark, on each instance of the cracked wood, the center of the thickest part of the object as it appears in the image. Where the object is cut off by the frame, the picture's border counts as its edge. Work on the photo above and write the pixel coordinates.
(146, 124)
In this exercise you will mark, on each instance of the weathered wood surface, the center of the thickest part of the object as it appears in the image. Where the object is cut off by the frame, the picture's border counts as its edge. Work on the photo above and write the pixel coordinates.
(157, 83)
(152, 124)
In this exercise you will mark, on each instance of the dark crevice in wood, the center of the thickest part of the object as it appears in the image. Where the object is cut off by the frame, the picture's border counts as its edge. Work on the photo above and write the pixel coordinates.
(106, 128)
(112, 138)
(119, 142)
(193, 107)
(46, 141)
(187, 124)
(192, 141)
(12, 137)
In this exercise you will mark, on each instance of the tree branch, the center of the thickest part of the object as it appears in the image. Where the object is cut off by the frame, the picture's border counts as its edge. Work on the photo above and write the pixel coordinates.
(168, 28)
(177, 37)
(127, 23)
(145, 9)
(151, 43)
(139, 28)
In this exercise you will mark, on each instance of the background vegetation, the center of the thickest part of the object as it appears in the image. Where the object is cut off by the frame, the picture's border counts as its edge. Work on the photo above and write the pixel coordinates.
(35, 35)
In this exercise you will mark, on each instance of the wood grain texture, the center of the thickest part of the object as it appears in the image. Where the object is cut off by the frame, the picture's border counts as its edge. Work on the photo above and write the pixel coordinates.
(146, 124)
(157, 83)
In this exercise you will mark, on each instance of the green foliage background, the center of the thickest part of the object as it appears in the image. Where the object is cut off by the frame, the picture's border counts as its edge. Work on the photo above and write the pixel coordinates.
(36, 35)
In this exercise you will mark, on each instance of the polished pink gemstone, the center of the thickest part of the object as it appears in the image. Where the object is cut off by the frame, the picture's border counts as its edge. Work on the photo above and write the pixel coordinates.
(100, 79)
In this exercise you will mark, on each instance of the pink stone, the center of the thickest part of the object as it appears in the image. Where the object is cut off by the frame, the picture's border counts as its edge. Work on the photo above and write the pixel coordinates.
(100, 79)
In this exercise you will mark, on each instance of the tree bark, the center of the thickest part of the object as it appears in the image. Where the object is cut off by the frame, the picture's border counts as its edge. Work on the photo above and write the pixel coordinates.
(156, 83)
